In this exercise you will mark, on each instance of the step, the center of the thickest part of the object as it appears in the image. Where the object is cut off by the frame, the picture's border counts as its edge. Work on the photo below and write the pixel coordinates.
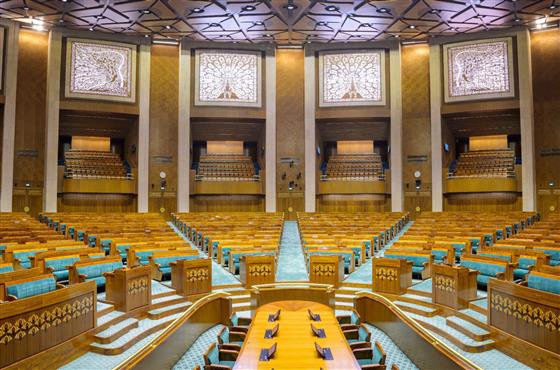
(419, 292)
(167, 301)
(417, 308)
(438, 326)
(131, 337)
(115, 331)
(477, 307)
(417, 297)
(158, 313)
(104, 308)
(241, 306)
(345, 306)
(468, 328)
(109, 318)
(474, 316)
(344, 298)
(359, 286)
(240, 298)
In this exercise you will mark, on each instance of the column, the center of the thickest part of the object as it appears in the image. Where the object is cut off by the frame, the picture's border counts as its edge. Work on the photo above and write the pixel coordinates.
(184, 129)
(397, 196)
(435, 108)
(9, 121)
(270, 142)
(52, 113)
(526, 121)
(143, 127)
(310, 171)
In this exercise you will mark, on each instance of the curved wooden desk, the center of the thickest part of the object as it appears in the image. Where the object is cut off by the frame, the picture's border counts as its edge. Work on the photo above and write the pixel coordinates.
(295, 340)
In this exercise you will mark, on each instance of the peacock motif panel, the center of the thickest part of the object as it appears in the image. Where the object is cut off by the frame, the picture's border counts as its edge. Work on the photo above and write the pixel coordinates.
(228, 78)
(478, 70)
(352, 78)
(100, 70)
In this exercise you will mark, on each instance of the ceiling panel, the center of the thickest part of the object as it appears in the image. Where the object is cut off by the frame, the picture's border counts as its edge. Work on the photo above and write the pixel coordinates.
(283, 21)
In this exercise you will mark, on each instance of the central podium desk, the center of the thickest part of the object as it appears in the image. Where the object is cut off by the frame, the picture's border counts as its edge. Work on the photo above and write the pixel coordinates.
(295, 340)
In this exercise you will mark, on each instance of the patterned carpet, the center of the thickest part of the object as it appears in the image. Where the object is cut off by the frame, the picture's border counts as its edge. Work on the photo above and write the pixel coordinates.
(193, 356)
(394, 354)
(291, 261)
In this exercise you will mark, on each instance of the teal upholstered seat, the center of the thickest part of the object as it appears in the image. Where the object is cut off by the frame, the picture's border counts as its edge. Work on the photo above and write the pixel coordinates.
(165, 263)
(488, 239)
(439, 255)
(524, 265)
(363, 335)
(554, 254)
(81, 235)
(417, 261)
(367, 244)
(71, 231)
(475, 243)
(6, 268)
(214, 358)
(492, 255)
(143, 257)
(32, 288)
(377, 357)
(122, 250)
(225, 338)
(59, 266)
(106, 244)
(95, 271)
(549, 283)
(92, 240)
(485, 270)
(459, 249)
(23, 256)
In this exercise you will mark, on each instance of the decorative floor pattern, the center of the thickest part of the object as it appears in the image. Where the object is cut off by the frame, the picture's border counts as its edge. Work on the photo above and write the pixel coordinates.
(193, 356)
(291, 261)
(394, 353)
(220, 276)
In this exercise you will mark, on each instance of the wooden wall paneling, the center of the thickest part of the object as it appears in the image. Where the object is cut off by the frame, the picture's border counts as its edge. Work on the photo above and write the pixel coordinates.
(290, 129)
(28, 200)
(30, 110)
(354, 203)
(227, 203)
(548, 201)
(545, 54)
(482, 202)
(96, 203)
(416, 125)
(164, 90)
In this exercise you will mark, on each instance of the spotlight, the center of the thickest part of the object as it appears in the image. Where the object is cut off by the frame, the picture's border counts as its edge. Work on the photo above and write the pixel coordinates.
(412, 26)
(99, 17)
(418, 184)
(146, 11)
(551, 183)
(331, 8)
(553, 6)
(146, 35)
(25, 7)
(214, 25)
(168, 27)
(366, 25)
(91, 28)
(517, 19)
(27, 185)
(434, 11)
(291, 7)
(198, 10)
(248, 8)
(397, 36)
(321, 23)
(258, 23)
(383, 10)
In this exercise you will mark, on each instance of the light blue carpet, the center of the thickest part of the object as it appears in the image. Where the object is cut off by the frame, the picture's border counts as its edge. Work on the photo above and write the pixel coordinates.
(193, 356)
(291, 262)
(394, 354)
(220, 276)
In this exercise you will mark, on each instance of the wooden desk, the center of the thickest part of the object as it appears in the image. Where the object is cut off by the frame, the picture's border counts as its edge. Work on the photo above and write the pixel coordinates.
(453, 286)
(129, 289)
(295, 341)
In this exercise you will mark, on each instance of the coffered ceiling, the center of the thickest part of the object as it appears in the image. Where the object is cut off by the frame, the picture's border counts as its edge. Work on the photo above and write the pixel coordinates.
(283, 21)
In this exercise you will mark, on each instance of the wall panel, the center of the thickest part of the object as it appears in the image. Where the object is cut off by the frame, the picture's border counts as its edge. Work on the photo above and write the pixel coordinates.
(545, 53)
(482, 202)
(227, 203)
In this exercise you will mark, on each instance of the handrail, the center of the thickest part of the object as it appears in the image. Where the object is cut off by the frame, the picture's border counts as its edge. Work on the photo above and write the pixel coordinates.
(327, 287)
(435, 342)
(144, 351)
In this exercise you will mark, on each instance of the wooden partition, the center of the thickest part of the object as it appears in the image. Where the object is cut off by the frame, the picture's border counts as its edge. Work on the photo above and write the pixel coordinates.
(453, 286)
(128, 289)
(267, 293)
(256, 270)
(426, 351)
(391, 275)
(34, 324)
(526, 313)
(192, 277)
(326, 270)
(167, 348)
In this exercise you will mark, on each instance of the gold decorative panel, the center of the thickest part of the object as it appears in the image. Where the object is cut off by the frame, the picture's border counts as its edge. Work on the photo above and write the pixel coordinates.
(524, 311)
(262, 269)
(199, 274)
(137, 286)
(384, 273)
(444, 283)
(325, 269)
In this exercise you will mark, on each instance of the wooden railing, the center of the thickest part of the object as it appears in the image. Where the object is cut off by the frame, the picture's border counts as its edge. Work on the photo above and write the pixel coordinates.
(425, 350)
(166, 349)
(292, 291)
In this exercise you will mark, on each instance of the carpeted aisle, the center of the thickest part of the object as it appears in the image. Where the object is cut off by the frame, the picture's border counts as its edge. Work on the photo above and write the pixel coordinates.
(291, 262)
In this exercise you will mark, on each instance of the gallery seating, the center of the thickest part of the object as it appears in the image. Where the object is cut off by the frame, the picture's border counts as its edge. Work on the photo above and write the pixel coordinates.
(161, 262)
(488, 267)
(88, 164)
(93, 270)
(29, 287)
(226, 167)
(354, 167)
(485, 163)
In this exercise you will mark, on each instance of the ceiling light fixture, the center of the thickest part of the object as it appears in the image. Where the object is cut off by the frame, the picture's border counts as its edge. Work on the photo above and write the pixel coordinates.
(291, 6)
(91, 29)
(198, 10)
(167, 27)
(397, 36)
(321, 23)
(258, 23)
(214, 25)
(248, 8)
(383, 10)
(412, 26)
(434, 11)
(146, 11)
(331, 8)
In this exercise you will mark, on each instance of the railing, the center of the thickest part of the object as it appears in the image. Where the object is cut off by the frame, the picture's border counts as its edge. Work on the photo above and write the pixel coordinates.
(292, 291)
(423, 348)
(168, 347)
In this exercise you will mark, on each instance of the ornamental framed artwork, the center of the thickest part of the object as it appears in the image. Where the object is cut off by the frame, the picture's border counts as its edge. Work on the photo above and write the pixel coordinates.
(100, 70)
(478, 70)
(351, 78)
(228, 77)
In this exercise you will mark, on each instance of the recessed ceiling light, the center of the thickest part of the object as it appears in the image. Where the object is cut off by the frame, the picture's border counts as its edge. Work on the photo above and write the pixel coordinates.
(331, 8)
(99, 17)
(198, 10)
(517, 19)
(61, 20)
(321, 23)
(397, 36)
(64, 1)
(91, 28)
(365, 25)
(267, 35)
(383, 10)
(248, 8)
(291, 7)
(146, 35)
(168, 27)
(434, 11)
(146, 11)
(214, 25)
(412, 26)
(258, 23)
(553, 6)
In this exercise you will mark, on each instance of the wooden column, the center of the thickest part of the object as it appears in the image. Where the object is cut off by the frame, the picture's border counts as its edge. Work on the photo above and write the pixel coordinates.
(9, 121)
